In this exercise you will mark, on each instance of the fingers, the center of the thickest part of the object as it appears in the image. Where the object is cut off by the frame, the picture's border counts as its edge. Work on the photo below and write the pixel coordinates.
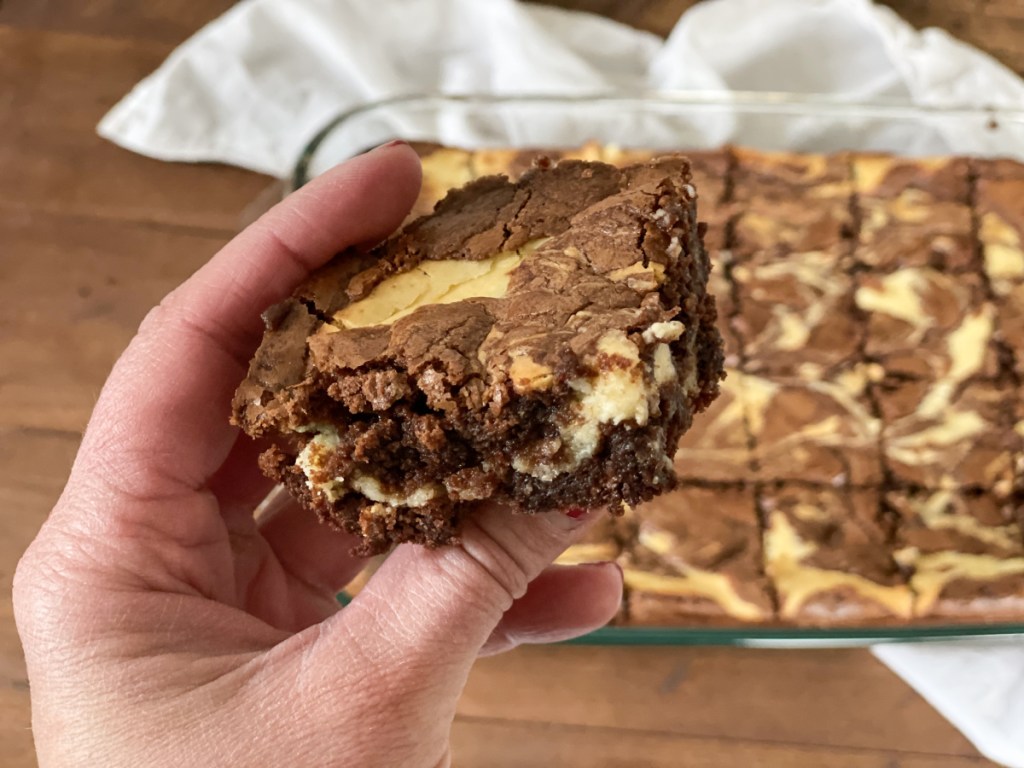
(312, 552)
(424, 617)
(563, 602)
(160, 427)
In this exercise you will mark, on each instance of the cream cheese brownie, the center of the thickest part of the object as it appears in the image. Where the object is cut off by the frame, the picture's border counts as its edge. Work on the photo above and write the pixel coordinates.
(1000, 215)
(822, 432)
(964, 552)
(694, 557)
(923, 323)
(796, 316)
(950, 435)
(786, 202)
(913, 212)
(827, 558)
(1010, 326)
(543, 343)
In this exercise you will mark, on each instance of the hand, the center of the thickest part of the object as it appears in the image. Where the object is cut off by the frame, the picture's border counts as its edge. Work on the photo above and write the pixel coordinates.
(164, 626)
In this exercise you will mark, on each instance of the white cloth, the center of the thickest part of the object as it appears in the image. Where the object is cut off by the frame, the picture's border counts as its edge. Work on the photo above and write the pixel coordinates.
(255, 85)
(977, 685)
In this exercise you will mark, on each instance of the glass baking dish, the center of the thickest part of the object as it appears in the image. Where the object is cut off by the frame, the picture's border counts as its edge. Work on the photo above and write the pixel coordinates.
(687, 121)
(671, 120)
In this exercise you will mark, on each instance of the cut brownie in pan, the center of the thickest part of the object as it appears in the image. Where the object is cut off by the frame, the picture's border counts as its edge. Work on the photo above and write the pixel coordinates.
(945, 435)
(796, 316)
(786, 202)
(826, 556)
(913, 212)
(922, 323)
(1010, 326)
(694, 556)
(543, 343)
(817, 431)
(999, 198)
(965, 553)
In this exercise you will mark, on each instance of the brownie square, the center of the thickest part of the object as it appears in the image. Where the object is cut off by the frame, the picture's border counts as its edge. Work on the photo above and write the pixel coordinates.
(542, 343)
(787, 203)
(950, 435)
(822, 432)
(923, 323)
(964, 553)
(796, 316)
(827, 556)
(913, 212)
(694, 557)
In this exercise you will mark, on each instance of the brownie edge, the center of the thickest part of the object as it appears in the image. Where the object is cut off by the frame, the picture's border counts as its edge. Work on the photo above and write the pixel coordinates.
(542, 344)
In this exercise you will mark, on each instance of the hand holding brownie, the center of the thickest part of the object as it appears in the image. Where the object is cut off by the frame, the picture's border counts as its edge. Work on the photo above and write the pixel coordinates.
(162, 625)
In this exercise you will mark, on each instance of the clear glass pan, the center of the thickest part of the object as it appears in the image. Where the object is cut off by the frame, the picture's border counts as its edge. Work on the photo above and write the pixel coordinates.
(674, 121)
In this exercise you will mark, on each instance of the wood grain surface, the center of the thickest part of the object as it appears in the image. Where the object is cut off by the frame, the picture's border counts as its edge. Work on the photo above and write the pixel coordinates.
(91, 236)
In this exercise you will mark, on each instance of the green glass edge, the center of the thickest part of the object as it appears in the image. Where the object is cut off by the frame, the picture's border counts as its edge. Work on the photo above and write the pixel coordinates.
(753, 635)
(740, 636)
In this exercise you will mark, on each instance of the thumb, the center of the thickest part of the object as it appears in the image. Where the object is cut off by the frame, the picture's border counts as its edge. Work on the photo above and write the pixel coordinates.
(425, 615)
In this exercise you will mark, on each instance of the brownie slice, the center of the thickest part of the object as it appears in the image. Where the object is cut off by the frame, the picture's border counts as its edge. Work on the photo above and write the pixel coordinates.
(694, 557)
(923, 323)
(947, 435)
(913, 212)
(826, 556)
(542, 343)
(821, 432)
(796, 316)
(789, 203)
(965, 554)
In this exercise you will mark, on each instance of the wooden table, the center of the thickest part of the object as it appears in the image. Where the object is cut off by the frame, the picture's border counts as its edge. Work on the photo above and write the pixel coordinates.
(91, 236)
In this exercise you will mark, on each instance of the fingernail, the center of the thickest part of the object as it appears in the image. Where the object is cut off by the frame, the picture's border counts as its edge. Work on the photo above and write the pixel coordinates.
(395, 143)
(575, 512)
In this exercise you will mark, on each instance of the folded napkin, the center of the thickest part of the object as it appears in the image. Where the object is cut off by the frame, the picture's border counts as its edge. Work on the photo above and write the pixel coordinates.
(255, 85)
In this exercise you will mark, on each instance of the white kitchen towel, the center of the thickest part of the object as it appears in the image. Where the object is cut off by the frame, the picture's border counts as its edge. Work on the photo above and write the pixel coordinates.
(977, 685)
(255, 85)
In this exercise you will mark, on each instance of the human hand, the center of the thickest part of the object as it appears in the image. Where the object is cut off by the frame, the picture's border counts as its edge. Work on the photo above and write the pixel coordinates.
(164, 626)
